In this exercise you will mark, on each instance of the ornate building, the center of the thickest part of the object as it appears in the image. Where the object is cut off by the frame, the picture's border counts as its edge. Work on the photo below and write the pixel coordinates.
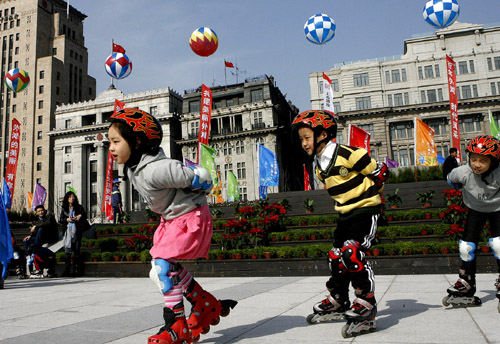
(45, 38)
(244, 115)
(383, 96)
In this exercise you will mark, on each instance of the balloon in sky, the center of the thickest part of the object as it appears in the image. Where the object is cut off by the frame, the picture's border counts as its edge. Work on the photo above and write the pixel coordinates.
(118, 65)
(441, 13)
(319, 29)
(17, 79)
(204, 41)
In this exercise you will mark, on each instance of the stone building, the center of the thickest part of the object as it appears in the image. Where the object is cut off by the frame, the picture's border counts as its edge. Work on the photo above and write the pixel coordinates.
(244, 115)
(81, 144)
(384, 95)
(46, 40)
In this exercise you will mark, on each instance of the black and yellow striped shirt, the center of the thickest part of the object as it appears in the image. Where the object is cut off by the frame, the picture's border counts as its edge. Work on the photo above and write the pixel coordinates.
(346, 179)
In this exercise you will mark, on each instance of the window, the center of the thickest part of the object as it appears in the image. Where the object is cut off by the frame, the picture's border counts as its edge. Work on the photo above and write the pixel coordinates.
(463, 68)
(398, 99)
(420, 73)
(466, 92)
(14, 108)
(335, 85)
(38, 166)
(195, 128)
(422, 97)
(240, 147)
(67, 124)
(469, 124)
(227, 167)
(153, 110)
(257, 95)
(40, 89)
(403, 74)
(490, 64)
(39, 135)
(243, 195)
(16, 50)
(428, 72)
(242, 172)
(436, 69)
(40, 119)
(38, 150)
(257, 118)
(336, 107)
(440, 94)
(193, 153)
(395, 75)
(67, 150)
(407, 98)
(42, 74)
(40, 104)
(493, 89)
(497, 62)
(474, 91)
(363, 103)
(67, 167)
(361, 79)
(389, 100)
(439, 126)
(431, 96)
(387, 76)
(401, 130)
(471, 66)
(227, 148)
(194, 106)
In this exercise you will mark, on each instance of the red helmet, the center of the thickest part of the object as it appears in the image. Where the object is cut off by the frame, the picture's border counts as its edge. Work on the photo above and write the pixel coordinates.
(484, 145)
(146, 127)
(317, 120)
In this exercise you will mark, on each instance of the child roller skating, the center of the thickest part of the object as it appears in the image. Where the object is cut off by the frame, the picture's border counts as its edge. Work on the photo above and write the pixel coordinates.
(178, 193)
(354, 181)
(480, 182)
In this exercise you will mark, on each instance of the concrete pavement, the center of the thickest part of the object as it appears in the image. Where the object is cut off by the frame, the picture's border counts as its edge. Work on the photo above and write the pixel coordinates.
(270, 310)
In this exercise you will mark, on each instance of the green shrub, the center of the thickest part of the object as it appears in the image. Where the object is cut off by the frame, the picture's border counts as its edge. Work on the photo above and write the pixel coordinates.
(107, 256)
(145, 256)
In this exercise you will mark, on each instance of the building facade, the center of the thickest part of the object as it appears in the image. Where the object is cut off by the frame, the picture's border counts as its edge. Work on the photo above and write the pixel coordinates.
(81, 145)
(45, 39)
(244, 115)
(383, 96)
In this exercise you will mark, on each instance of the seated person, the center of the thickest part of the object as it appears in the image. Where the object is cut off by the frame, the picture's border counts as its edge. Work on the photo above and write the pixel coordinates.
(43, 231)
(19, 260)
(43, 258)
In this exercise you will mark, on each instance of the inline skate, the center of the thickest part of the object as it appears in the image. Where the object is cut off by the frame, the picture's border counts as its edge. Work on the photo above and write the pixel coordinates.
(461, 294)
(176, 330)
(360, 318)
(206, 310)
(330, 309)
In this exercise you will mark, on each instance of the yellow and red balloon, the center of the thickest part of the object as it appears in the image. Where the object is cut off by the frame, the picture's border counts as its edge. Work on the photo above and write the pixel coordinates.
(204, 41)
(17, 79)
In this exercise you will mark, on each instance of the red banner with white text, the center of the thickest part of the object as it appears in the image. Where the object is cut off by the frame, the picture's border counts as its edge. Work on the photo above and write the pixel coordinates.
(452, 88)
(10, 174)
(205, 115)
(359, 138)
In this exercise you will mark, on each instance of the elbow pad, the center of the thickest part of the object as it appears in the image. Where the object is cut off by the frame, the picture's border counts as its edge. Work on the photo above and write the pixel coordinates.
(202, 180)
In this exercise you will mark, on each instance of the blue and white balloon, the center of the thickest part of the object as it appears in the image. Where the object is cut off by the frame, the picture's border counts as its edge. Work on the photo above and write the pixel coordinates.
(441, 13)
(319, 29)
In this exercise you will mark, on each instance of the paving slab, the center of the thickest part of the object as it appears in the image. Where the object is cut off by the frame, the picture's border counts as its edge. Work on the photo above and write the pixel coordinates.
(270, 310)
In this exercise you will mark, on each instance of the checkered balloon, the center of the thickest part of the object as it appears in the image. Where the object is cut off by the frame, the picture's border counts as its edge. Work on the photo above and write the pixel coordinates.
(118, 65)
(16, 79)
(319, 29)
(441, 13)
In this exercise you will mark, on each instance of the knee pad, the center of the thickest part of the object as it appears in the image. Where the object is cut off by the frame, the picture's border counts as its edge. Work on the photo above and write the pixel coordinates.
(495, 246)
(467, 250)
(159, 274)
(352, 256)
(335, 263)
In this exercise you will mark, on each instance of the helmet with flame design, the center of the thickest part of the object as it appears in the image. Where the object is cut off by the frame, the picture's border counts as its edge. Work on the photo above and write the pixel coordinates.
(144, 126)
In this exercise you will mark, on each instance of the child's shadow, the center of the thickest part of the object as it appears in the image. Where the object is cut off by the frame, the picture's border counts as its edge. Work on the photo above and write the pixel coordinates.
(399, 309)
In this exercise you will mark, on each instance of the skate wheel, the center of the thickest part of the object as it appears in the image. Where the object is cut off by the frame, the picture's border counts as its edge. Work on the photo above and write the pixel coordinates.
(310, 318)
(345, 332)
(196, 338)
(215, 321)
(445, 301)
(225, 312)
(477, 301)
(205, 330)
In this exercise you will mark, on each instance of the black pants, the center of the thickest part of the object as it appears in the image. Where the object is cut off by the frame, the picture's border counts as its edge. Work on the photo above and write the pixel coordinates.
(472, 232)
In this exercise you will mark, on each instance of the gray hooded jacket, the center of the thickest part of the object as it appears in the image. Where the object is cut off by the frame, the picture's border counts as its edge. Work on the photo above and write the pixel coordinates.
(476, 194)
(165, 185)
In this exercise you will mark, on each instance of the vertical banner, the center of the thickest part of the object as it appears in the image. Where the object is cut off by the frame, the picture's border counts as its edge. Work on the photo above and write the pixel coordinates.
(107, 209)
(358, 138)
(307, 181)
(233, 188)
(452, 88)
(6, 249)
(327, 93)
(207, 161)
(39, 196)
(494, 126)
(7, 201)
(205, 115)
(10, 174)
(425, 147)
(268, 167)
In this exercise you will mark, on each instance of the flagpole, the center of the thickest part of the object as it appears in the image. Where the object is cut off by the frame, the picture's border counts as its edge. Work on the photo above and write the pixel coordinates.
(225, 77)
(112, 44)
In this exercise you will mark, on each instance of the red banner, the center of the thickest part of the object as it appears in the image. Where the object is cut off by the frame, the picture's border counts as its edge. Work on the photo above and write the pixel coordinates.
(307, 181)
(358, 138)
(452, 88)
(107, 209)
(205, 115)
(10, 174)
(119, 105)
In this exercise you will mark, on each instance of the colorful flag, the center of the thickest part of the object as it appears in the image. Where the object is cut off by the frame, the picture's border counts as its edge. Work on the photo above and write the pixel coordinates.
(119, 105)
(441, 159)
(69, 188)
(307, 181)
(207, 155)
(189, 163)
(494, 126)
(6, 249)
(39, 196)
(327, 93)
(262, 192)
(425, 147)
(233, 188)
(7, 195)
(452, 88)
(107, 209)
(228, 64)
(358, 138)
(217, 191)
(391, 163)
(205, 115)
(29, 200)
(118, 48)
(10, 174)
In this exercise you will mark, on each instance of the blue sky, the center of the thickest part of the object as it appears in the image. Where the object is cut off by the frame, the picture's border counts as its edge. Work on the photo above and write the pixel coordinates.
(262, 36)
